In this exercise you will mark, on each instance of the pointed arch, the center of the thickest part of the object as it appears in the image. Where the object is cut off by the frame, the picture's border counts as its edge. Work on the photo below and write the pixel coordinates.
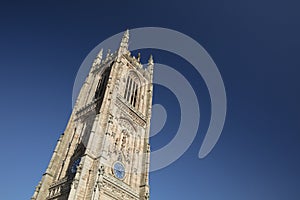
(127, 123)
(132, 89)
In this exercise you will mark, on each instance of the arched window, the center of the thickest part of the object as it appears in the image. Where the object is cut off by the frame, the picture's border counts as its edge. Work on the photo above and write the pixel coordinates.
(132, 89)
(101, 87)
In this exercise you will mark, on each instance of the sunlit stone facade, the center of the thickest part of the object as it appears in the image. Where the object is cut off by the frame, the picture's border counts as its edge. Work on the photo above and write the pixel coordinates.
(104, 152)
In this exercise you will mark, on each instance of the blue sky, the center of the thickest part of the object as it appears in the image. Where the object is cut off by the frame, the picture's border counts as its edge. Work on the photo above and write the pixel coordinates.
(255, 45)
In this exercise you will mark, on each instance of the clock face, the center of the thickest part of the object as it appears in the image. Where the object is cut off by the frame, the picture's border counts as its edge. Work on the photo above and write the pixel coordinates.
(75, 165)
(119, 170)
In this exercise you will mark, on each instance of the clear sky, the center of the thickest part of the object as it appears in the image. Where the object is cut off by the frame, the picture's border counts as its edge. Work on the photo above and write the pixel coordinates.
(255, 45)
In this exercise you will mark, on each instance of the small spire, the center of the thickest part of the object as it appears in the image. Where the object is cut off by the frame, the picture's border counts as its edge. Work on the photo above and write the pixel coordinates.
(150, 61)
(125, 39)
(100, 54)
(150, 66)
(139, 57)
(124, 43)
(98, 58)
(108, 53)
(126, 34)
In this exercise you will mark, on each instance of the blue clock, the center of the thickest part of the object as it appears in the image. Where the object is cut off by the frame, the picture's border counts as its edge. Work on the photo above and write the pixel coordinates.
(119, 170)
(75, 165)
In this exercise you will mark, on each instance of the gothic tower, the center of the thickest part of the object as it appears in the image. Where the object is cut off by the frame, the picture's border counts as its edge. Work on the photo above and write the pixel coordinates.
(104, 152)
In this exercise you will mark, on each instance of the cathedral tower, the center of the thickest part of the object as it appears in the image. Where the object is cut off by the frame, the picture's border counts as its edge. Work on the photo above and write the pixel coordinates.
(104, 152)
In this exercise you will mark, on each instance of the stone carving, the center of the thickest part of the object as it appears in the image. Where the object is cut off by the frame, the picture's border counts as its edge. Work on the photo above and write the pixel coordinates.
(147, 196)
(59, 188)
(118, 191)
(127, 124)
(136, 118)
(128, 155)
(99, 183)
(77, 175)
(86, 109)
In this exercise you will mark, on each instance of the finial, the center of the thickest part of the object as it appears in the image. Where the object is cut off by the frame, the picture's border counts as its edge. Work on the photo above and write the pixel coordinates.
(150, 61)
(98, 58)
(126, 34)
(125, 39)
(150, 66)
(108, 53)
(139, 57)
(124, 43)
(100, 54)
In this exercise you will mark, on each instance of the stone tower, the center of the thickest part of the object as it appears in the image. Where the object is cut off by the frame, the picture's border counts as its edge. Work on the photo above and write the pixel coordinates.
(104, 152)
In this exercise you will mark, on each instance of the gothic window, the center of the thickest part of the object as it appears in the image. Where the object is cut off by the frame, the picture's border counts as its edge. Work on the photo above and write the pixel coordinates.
(75, 160)
(132, 90)
(101, 87)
